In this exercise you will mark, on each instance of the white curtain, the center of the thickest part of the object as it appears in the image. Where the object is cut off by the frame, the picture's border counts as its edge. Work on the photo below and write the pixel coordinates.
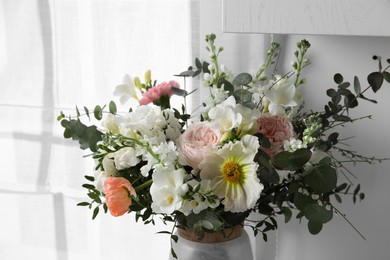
(56, 54)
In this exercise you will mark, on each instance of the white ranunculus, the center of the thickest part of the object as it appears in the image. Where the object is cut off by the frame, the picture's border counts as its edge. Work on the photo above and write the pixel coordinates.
(125, 158)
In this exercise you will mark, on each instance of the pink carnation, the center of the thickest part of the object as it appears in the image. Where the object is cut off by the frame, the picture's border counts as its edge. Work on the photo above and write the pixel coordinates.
(277, 129)
(195, 139)
(156, 92)
(118, 191)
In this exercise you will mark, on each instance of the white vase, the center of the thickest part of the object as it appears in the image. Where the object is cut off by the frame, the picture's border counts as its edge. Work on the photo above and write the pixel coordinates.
(236, 246)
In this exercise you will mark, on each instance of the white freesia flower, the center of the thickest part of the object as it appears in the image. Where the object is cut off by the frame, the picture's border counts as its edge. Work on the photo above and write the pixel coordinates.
(232, 173)
(280, 94)
(224, 116)
(251, 142)
(166, 190)
(126, 90)
(199, 201)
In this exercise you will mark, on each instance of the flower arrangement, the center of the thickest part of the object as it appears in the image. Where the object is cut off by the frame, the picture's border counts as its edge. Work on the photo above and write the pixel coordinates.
(251, 148)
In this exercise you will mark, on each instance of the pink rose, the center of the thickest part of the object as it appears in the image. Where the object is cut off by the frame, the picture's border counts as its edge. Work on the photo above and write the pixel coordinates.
(195, 139)
(156, 92)
(277, 129)
(118, 191)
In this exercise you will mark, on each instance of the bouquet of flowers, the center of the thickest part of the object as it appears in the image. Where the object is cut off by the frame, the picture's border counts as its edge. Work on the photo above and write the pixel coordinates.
(250, 149)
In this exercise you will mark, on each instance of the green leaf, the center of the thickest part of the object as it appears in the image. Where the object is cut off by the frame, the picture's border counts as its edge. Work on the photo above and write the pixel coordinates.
(388, 60)
(77, 112)
(90, 178)
(350, 101)
(291, 161)
(287, 214)
(98, 113)
(205, 66)
(375, 79)
(88, 186)
(344, 85)
(356, 85)
(242, 96)
(338, 78)
(317, 213)
(386, 75)
(198, 64)
(173, 253)
(371, 100)
(314, 227)
(331, 92)
(179, 92)
(269, 175)
(321, 178)
(242, 79)
(341, 118)
(83, 204)
(112, 107)
(338, 198)
(60, 116)
(301, 201)
(341, 187)
(87, 112)
(95, 212)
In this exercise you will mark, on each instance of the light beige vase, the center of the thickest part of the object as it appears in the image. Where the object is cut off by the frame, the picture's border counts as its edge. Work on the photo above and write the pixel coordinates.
(232, 245)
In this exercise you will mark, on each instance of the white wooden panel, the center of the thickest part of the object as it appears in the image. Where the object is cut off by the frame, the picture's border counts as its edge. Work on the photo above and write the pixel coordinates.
(328, 17)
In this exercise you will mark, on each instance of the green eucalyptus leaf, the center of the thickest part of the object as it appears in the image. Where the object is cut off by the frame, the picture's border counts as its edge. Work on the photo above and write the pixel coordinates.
(317, 213)
(314, 227)
(98, 113)
(198, 64)
(242, 79)
(370, 100)
(242, 96)
(338, 78)
(301, 201)
(287, 214)
(331, 92)
(77, 112)
(269, 175)
(375, 79)
(291, 161)
(341, 118)
(356, 85)
(86, 112)
(344, 85)
(321, 178)
(112, 107)
(350, 101)
(386, 76)
(179, 92)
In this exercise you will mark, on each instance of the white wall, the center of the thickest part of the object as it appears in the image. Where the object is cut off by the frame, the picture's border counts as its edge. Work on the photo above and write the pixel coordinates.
(329, 54)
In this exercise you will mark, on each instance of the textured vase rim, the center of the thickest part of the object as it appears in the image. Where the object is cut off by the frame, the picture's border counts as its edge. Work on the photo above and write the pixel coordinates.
(212, 237)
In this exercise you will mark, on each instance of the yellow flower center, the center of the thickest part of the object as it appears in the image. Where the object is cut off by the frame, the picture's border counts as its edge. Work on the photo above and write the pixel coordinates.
(231, 172)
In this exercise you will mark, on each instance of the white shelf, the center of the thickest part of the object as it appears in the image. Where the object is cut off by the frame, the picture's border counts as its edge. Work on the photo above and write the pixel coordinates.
(320, 17)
